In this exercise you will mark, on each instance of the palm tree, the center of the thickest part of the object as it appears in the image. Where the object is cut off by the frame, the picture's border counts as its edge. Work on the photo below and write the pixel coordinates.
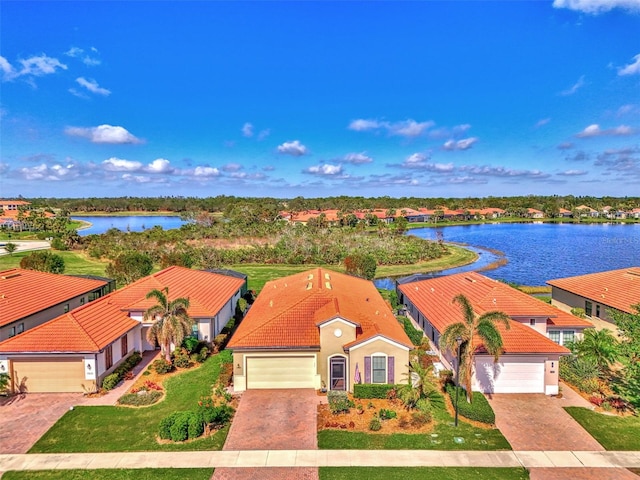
(483, 327)
(419, 391)
(172, 321)
(598, 345)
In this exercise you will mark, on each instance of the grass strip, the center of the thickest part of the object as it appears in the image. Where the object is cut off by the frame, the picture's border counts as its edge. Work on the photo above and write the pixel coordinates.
(409, 473)
(611, 431)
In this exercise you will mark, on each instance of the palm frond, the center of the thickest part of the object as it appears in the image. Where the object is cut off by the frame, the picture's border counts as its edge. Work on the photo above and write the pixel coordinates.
(467, 309)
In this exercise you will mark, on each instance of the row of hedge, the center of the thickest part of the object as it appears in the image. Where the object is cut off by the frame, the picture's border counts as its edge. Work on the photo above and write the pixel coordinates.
(479, 409)
(412, 332)
(181, 426)
(372, 390)
(110, 381)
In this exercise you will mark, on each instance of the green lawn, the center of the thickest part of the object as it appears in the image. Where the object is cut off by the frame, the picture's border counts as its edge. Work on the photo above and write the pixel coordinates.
(259, 274)
(612, 432)
(115, 474)
(75, 263)
(122, 429)
(474, 438)
(409, 473)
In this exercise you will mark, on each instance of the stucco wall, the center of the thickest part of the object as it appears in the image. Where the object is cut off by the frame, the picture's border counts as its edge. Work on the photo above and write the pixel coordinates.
(566, 301)
(401, 360)
(331, 345)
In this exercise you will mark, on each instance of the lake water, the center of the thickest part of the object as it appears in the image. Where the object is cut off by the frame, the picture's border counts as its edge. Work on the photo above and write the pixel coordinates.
(132, 223)
(537, 252)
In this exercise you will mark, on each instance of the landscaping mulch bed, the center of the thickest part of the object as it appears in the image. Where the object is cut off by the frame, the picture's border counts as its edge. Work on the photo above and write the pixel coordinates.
(356, 422)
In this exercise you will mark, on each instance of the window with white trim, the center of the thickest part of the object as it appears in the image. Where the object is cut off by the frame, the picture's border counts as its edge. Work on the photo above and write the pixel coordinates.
(568, 336)
(554, 336)
(378, 369)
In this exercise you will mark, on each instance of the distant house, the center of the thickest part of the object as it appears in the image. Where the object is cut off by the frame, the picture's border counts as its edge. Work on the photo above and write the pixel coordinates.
(564, 213)
(76, 350)
(532, 346)
(13, 204)
(635, 213)
(534, 213)
(316, 328)
(29, 298)
(586, 211)
(597, 293)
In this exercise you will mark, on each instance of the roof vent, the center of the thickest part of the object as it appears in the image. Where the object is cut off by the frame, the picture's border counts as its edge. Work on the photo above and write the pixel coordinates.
(433, 289)
(309, 285)
(11, 275)
(416, 289)
(310, 277)
(469, 279)
(328, 285)
(377, 312)
(271, 303)
(494, 301)
(326, 275)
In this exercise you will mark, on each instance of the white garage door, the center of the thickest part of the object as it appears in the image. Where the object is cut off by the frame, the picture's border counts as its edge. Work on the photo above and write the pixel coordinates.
(281, 372)
(510, 376)
(50, 375)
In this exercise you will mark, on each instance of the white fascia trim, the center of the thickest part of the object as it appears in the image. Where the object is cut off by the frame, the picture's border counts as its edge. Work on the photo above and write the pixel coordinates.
(328, 322)
(379, 337)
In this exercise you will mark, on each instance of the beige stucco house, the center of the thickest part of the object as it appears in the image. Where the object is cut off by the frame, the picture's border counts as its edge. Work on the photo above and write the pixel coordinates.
(319, 328)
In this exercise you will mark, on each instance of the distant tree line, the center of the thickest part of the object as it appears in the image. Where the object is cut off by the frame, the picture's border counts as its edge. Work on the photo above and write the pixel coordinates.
(271, 206)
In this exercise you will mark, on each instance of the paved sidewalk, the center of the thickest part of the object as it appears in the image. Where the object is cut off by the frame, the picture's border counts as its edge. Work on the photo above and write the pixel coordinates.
(579, 460)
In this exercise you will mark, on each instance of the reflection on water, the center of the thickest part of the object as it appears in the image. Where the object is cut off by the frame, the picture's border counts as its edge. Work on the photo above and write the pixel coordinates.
(544, 251)
(128, 224)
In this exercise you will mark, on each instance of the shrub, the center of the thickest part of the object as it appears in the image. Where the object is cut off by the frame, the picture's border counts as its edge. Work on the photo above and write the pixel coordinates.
(202, 355)
(180, 428)
(479, 409)
(220, 341)
(420, 419)
(580, 372)
(191, 344)
(445, 377)
(181, 359)
(413, 333)
(110, 381)
(385, 414)
(578, 312)
(375, 425)
(214, 415)
(164, 429)
(372, 390)
(597, 401)
(339, 401)
(403, 421)
(139, 400)
(196, 425)
(161, 366)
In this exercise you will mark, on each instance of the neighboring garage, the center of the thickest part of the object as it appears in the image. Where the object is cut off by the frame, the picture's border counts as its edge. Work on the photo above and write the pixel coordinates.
(515, 375)
(47, 375)
(281, 372)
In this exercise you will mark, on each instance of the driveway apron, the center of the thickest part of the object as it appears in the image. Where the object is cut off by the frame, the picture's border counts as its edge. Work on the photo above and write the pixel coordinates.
(273, 420)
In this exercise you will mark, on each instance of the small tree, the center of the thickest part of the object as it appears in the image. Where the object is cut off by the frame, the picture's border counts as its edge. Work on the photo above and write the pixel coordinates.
(10, 248)
(361, 265)
(172, 322)
(4, 382)
(43, 261)
(483, 327)
(597, 345)
(129, 267)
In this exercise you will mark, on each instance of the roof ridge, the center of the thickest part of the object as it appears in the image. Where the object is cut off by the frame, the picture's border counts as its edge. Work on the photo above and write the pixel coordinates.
(71, 315)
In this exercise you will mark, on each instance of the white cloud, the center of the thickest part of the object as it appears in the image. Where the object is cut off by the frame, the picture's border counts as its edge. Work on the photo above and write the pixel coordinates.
(247, 130)
(490, 171)
(324, 170)
(206, 172)
(36, 66)
(419, 161)
(597, 6)
(294, 148)
(159, 165)
(55, 172)
(232, 167)
(406, 128)
(77, 52)
(631, 69)
(92, 86)
(627, 109)
(264, 134)
(103, 134)
(573, 173)
(542, 122)
(574, 88)
(464, 144)
(114, 164)
(357, 158)
(594, 130)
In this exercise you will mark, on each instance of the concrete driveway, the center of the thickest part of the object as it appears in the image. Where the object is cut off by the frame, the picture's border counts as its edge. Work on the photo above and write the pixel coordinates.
(25, 418)
(538, 422)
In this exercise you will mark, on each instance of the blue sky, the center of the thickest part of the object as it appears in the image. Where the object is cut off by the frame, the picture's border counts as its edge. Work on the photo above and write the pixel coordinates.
(283, 99)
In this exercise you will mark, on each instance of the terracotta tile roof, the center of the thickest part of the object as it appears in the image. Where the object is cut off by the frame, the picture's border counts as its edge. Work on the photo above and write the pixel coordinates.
(288, 311)
(434, 298)
(207, 292)
(619, 289)
(25, 292)
(89, 328)
(93, 326)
